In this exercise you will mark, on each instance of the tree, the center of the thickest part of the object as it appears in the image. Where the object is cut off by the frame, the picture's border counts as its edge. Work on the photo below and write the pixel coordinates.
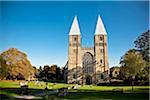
(143, 75)
(58, 73)
(46, 68)
(17, 64)
(40, 69)
(36, 71)
(142, 45)
(53, 69)
(50, 73)
(45, 73)
(20, 77)
(3, 68)
(131, 64)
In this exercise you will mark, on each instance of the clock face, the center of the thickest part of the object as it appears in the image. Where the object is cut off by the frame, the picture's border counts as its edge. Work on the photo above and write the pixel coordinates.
(87, 63)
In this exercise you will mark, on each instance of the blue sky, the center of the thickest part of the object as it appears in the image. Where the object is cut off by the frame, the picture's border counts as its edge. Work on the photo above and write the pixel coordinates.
(40, 29)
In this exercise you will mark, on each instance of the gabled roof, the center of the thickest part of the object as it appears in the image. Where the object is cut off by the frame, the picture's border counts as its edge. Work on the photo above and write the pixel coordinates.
(75, 30)
(100, 29)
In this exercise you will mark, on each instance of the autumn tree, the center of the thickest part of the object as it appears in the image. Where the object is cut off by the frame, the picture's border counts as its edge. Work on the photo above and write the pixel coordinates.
(3, 68)
(17, 64)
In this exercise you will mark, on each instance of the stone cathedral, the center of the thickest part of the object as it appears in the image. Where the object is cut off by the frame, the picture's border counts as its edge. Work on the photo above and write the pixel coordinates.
(87, 65)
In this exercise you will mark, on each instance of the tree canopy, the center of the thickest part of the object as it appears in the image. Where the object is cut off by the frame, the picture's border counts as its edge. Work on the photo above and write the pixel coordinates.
(3, 68)
(132, 63)
(51, 73)
(16, 64)
(142, 45)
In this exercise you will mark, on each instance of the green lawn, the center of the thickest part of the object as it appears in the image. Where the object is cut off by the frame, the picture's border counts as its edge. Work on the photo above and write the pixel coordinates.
(83, 93)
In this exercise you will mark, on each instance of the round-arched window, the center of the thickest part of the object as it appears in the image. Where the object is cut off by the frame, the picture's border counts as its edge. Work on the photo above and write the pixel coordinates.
(87, 63)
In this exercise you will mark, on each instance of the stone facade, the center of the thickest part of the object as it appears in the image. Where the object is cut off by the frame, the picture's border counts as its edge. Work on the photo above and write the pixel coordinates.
(87, 65)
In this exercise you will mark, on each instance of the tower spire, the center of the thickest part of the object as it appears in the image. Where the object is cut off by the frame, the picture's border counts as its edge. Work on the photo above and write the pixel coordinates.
(100, 29)
(75, 30)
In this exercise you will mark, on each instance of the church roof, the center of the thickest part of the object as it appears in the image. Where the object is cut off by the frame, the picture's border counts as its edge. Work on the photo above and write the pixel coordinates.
(100, 29)
(75, 30)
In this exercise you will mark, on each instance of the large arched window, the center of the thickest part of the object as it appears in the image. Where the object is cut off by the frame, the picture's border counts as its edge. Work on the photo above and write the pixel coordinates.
(87, 63)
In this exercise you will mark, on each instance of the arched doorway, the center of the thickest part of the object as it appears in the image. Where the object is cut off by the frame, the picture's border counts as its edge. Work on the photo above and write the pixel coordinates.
(88, 80)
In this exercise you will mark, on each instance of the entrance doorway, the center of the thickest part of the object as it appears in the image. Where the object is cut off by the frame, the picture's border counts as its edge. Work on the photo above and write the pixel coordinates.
(88, 80)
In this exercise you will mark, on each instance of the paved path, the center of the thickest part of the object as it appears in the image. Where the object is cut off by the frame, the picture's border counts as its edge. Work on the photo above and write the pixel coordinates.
(27, 97)
(38, 95)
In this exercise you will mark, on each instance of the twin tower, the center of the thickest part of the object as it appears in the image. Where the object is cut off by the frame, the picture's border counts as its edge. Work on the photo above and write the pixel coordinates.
(87, 65)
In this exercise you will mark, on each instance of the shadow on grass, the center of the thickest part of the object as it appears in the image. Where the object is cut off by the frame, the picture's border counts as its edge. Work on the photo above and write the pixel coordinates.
(138, 94)
(81, 94)
(19, 91)
(107, 95)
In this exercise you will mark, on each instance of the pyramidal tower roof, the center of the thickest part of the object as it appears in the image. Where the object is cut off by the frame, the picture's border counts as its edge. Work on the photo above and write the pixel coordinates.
(75, 30)
(100, 29)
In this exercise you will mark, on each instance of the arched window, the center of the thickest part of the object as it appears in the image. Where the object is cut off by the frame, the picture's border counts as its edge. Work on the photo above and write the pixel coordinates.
(75, 38)
(101, 61)
(74, 50)
(101, 50)
(100, 38)
(116, 72)
(74, 76)
(102, 76)
(87, 60)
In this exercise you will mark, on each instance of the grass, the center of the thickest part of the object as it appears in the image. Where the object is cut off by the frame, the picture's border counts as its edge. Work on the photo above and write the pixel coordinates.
(11, 84)
(32, 85)
(86, 92)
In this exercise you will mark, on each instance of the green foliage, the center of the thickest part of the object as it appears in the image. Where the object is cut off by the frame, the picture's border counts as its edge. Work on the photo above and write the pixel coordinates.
(131, 64)
(50, 73)
(142, 45)
(17, 64)
(144, 74)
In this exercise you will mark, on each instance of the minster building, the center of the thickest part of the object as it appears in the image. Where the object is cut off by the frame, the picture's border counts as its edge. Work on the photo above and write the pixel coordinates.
(87, 65)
